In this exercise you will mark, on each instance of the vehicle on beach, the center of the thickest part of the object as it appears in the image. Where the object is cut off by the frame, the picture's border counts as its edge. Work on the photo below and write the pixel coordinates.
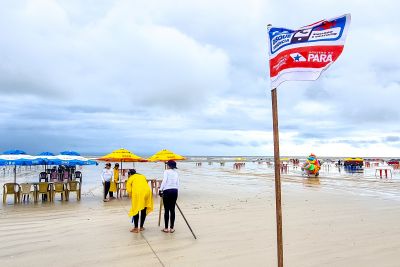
(353, 162)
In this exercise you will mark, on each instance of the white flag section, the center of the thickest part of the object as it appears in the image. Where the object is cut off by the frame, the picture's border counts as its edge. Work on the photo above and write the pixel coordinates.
(303, 54)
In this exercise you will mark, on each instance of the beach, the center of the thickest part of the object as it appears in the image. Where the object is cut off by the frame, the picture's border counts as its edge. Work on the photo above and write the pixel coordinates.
(340, 219)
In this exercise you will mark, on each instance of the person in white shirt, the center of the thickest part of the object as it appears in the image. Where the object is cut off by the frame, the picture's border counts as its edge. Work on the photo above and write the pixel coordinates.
(107, 176)
(169, 192)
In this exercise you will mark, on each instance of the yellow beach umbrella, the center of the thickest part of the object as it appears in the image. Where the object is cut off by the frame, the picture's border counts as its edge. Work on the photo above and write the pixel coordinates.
(122, 155)
(165, 155)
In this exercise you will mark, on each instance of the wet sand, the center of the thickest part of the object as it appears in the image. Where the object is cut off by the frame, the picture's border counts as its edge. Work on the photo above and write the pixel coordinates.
(337, 220)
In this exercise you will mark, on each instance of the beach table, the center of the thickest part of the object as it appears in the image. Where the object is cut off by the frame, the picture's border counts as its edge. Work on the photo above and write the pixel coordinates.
(154, 185)
(121, 187)
(382, 169)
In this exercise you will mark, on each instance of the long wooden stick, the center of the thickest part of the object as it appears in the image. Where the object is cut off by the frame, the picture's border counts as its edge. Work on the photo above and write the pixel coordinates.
(278, 204)
(190, 228)
(159, 213)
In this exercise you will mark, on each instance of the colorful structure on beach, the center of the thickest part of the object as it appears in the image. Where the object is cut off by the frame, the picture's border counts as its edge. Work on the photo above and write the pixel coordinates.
(312, 165)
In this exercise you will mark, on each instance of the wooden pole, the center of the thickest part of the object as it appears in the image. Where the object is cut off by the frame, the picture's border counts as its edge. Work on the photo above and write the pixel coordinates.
(190, 228)
(159, 212)
(278, 204)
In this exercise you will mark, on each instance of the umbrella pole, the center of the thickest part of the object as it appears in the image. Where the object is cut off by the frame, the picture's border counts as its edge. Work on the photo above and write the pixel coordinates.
(15, 181)
(190, 228)
(159, 213)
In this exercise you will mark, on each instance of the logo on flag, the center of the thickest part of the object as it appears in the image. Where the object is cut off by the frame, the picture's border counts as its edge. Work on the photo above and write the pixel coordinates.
(303, 54)
(298, 57)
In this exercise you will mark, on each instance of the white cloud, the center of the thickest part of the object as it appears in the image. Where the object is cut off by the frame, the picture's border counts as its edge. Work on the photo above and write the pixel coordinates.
(192, 76)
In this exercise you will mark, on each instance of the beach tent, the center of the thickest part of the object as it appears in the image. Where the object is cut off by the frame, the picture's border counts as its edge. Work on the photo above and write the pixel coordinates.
(353, 162)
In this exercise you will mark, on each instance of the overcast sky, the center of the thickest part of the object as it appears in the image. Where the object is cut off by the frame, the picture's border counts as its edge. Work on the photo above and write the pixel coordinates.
(192, 76)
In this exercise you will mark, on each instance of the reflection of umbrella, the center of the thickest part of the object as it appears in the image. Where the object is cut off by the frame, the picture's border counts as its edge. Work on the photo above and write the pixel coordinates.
(16, 158)
(165, 155)
(122, 155)
(70, 153)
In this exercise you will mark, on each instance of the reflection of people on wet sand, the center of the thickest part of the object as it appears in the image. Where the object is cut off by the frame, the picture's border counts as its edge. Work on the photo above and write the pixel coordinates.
(238, 165)
(311, 181)
(311, 166)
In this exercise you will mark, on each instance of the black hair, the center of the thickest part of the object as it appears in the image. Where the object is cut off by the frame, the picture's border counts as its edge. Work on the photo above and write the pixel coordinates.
(131, 172)
(171, 164)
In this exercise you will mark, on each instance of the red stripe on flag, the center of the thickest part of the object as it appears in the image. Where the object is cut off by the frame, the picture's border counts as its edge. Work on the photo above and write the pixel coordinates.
(304, 57)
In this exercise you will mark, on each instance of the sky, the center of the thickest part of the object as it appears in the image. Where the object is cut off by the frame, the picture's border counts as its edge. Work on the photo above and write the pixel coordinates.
(192, 77)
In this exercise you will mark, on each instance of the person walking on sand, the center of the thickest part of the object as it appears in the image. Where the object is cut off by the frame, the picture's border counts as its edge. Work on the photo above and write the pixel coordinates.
(169, 192)
(106, 177)
(142, 199)
(113, 183)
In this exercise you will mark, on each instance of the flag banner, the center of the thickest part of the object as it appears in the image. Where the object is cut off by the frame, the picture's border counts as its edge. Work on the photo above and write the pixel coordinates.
(303, 54)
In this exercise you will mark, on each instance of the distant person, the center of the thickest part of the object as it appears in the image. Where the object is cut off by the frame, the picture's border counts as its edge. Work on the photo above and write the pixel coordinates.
(169, 192)
(113, 183)
(140, 192)
(106, 177)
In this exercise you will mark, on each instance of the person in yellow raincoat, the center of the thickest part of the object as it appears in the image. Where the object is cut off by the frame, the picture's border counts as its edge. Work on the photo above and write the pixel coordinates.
(113, 184)
(142, 199)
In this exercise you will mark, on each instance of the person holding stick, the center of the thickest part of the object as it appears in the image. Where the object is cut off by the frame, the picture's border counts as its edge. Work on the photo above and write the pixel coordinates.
(142, 199)
(169, 192)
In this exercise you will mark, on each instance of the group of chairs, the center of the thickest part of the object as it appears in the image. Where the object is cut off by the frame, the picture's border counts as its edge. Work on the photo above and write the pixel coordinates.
(48, 190)
(64, 177)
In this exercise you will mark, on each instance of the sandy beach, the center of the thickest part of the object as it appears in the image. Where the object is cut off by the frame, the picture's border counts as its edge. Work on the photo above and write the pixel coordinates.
(338, 220)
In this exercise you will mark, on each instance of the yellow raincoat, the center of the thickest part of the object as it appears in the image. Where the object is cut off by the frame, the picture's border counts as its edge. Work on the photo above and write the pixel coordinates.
(113, 184)
(140, 192)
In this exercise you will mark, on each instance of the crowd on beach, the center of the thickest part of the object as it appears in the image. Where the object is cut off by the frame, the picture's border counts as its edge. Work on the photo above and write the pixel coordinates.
(141, 194)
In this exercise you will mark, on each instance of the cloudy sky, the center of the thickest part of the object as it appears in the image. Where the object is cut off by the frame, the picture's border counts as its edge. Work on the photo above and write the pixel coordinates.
(192, 76)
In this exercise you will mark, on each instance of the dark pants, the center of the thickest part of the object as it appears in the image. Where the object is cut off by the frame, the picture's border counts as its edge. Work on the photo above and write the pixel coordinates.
(169, 197)
(106, 188)
(135, 219)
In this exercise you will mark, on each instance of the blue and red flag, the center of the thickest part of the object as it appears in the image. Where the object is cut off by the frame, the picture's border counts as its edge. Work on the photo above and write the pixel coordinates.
(303, 54)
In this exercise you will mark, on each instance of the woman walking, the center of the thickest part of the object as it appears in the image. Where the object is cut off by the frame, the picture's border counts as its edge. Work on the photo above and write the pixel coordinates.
(142, 199)
(169, 191)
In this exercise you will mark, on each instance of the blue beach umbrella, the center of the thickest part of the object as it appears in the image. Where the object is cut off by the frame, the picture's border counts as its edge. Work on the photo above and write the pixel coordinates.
(46, 158)
(14, 152)
(70, 160)
(70, 153)
(46, 154)
(16, 158)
